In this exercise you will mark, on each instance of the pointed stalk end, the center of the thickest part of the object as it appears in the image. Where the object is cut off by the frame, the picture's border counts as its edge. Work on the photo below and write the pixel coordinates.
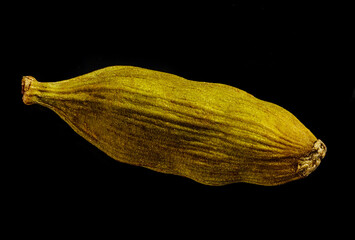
(27, 82)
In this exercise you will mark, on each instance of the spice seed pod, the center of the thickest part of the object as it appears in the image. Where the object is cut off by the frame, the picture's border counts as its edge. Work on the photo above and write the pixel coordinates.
(212, 133)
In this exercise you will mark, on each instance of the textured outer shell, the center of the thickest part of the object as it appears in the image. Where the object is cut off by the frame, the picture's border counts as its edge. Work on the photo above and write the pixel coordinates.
(212, 133)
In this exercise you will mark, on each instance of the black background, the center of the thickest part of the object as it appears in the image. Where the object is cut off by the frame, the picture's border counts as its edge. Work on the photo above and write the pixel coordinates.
(294, 55)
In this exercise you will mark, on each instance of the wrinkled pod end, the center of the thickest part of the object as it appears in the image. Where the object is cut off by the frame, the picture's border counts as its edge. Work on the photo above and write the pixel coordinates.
(26, 84)
(310, 162)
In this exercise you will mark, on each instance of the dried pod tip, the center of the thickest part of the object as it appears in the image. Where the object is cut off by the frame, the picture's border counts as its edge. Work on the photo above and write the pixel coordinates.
(26, 83)
(310, 162)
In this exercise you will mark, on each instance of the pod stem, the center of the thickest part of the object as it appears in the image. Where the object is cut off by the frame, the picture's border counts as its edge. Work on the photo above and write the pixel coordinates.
(26, 83)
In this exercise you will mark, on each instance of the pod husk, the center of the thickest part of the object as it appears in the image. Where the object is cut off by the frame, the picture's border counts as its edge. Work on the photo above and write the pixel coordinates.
(212, 133)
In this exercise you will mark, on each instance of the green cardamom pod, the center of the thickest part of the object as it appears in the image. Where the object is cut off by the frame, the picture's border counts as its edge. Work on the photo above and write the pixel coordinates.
(212, 133)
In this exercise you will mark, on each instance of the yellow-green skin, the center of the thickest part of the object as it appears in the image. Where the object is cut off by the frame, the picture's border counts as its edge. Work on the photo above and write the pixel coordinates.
(212, 133)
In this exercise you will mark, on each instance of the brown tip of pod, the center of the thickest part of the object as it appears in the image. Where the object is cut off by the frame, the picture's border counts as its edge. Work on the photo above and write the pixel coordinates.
(26, 84)
(310, 162)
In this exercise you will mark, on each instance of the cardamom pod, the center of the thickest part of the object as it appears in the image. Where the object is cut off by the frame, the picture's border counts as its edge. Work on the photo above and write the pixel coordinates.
(212, 133)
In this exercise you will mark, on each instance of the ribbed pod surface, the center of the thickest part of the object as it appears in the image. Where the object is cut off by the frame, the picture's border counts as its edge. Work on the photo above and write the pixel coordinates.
(213, 133)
